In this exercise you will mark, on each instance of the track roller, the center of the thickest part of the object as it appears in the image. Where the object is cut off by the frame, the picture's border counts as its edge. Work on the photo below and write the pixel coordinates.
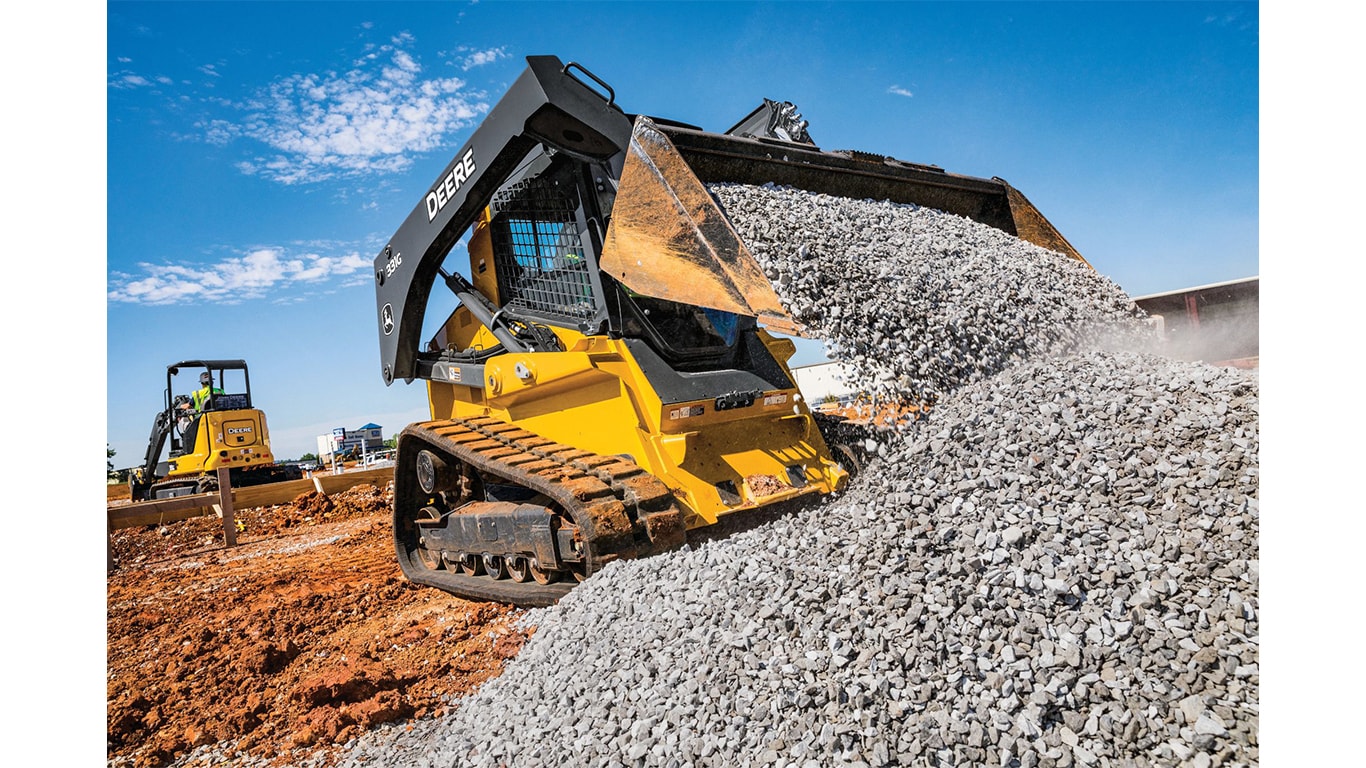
(495, 566)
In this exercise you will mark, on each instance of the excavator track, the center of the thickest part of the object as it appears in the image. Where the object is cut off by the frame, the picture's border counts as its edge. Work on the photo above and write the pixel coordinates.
(570, 513)
(208, 483)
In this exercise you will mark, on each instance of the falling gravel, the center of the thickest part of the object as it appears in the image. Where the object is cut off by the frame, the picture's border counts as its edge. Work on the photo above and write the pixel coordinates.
(917, 302)
(1058, 567)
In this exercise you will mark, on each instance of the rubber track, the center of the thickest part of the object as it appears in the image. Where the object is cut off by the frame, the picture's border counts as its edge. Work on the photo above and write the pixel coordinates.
(621, 510)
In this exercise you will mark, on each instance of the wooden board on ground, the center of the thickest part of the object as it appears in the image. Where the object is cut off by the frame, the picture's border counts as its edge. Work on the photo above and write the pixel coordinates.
(185, 507)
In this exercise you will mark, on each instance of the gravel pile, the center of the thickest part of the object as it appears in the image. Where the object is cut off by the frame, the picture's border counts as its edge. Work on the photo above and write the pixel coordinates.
(917, 302)
(1058, 567)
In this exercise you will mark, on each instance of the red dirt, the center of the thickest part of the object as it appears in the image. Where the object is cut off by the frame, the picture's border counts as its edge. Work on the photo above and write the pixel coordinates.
(885, 415)
(299, 638)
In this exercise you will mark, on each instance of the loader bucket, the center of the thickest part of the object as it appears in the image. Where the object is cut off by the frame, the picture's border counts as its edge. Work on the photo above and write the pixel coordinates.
(717, 157)
(668, 239)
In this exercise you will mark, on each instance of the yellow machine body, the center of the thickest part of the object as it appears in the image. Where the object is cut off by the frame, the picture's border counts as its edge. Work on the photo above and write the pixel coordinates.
(595, 396)
(232, 439)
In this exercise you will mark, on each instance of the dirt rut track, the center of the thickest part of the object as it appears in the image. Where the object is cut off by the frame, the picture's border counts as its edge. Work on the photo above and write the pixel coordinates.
(296, 640)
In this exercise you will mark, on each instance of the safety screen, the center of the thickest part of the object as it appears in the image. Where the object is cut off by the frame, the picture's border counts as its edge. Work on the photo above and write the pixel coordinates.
(538, 252)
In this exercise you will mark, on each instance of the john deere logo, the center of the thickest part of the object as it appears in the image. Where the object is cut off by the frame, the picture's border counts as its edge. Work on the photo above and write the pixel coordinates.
(386, 319)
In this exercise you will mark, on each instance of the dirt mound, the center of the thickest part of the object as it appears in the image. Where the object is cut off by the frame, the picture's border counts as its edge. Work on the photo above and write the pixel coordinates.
(300, 637)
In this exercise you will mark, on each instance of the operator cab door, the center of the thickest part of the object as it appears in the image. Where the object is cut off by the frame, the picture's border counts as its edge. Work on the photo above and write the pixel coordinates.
(545, 236)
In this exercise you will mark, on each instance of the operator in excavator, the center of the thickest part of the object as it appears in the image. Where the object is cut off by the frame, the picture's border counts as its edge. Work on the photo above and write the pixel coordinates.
(192, 408)
(205, 391)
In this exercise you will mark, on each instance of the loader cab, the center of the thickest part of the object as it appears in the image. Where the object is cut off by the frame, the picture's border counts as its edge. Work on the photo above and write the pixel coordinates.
(546, 227)
(685, 335)
(544, 232)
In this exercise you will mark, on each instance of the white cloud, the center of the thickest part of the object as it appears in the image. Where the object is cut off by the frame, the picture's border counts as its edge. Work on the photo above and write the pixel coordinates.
(899, 91)
(1233, 18)
(369, 119)
(480, 58)
(123, 80)
(256, 274)
(219, 132)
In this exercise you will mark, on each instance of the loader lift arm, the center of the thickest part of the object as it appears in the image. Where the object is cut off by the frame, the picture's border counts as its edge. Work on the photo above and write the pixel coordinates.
(547, 104)
(664, 235)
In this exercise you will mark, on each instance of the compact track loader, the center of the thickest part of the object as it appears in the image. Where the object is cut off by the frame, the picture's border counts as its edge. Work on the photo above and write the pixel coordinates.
(224, 431)
(607, 380)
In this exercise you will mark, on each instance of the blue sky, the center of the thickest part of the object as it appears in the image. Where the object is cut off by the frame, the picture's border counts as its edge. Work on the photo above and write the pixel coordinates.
(260, 154)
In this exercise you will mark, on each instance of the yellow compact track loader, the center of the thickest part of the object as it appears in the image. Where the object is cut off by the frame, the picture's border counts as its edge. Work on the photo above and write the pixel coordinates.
(607, 380)
(212, 428)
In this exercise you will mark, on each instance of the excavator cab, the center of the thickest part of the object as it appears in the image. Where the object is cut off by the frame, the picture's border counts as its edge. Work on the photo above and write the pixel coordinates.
(211, 390)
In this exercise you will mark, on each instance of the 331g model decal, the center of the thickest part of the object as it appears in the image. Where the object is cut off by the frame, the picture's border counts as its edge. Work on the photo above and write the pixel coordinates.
(391, 266)
(445, 189)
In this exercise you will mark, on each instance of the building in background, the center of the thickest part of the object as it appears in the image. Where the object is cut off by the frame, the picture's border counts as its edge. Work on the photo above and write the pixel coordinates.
(1217, 323)
(351, 442)
(824, 384)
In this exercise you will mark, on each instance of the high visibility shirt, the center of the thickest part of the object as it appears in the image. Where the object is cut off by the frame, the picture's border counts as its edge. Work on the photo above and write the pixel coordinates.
(201, 396)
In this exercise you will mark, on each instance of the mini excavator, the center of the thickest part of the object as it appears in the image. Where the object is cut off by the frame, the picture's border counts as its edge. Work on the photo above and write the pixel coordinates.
(615, 372)
(224, 431)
